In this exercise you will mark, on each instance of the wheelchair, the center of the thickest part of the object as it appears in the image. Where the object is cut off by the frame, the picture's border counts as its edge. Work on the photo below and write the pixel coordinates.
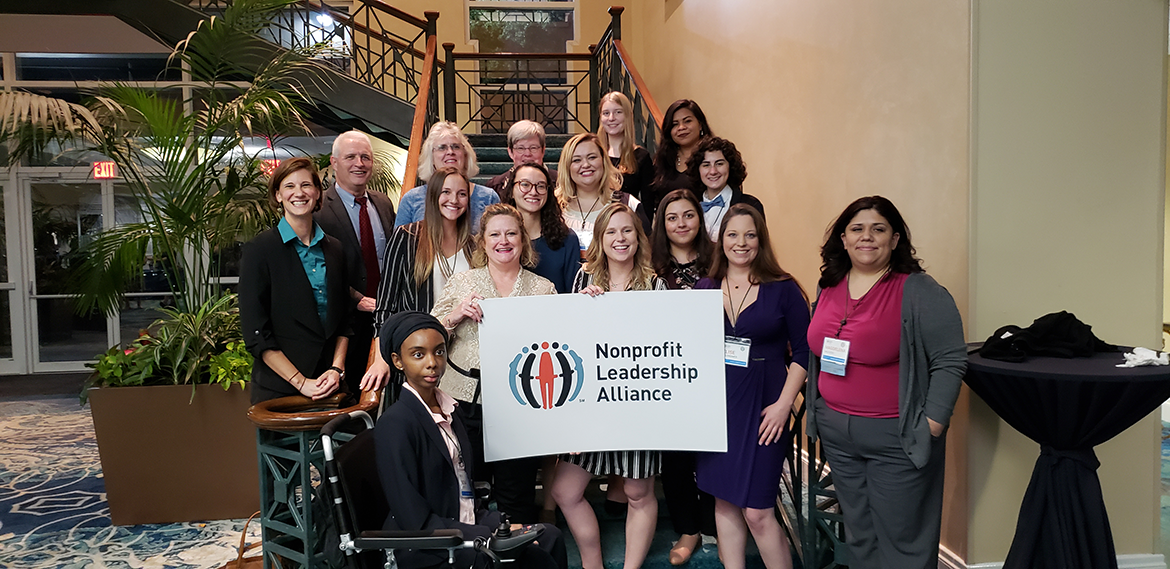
(360, 507)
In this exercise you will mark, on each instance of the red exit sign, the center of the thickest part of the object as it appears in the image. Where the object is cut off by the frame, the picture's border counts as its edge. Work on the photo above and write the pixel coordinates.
(105, 170)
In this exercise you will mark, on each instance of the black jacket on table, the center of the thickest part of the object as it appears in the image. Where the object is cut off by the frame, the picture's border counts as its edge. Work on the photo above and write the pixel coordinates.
(418, 479)
(279, 312)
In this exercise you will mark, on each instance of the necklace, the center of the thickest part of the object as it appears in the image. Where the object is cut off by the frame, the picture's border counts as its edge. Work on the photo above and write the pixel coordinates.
(738, 311)
(447, 266)
(585, 216)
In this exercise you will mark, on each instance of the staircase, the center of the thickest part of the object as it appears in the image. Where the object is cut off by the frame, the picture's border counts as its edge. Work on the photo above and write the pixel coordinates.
(491, 150)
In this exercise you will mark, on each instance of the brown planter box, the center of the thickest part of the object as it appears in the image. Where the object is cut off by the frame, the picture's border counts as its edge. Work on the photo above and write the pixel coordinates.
(169, 458)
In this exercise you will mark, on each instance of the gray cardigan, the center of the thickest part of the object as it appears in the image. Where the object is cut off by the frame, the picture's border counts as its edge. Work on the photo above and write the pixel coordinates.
(932, 360)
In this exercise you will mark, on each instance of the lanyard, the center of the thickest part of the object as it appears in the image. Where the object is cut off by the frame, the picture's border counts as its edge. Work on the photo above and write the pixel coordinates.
(845, 318)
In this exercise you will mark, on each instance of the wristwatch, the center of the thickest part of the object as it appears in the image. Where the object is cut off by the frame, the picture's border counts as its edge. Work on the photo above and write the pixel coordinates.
(338, 370)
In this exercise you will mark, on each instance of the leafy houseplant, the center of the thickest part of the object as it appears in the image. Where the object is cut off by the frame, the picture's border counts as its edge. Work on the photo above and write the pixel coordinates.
(201, 346)
(197, 191)
(166, 444)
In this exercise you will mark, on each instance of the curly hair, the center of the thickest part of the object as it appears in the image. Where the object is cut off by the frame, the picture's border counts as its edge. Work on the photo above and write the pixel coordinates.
(426, 156)
(835, 261)
(527, 251)
(738, 170)
(660, 255)
(597, 264)
(552, 223)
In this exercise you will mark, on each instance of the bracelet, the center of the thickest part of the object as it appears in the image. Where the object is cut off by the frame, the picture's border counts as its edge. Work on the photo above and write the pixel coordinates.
(294, 376)
(338, 370)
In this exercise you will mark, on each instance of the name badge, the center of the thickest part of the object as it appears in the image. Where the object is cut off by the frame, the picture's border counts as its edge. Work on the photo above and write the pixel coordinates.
(834, 356)
(736, 351)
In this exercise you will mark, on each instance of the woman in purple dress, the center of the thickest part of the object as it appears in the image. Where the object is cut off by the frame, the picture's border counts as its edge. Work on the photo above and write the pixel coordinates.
(766, 315)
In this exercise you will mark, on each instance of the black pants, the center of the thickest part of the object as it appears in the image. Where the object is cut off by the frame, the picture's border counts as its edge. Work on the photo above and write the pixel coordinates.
(358, 353)
(472, 416)
(691, 510)
(514, 488)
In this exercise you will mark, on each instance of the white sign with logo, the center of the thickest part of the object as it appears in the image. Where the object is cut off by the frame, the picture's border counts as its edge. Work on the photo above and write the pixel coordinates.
(620, 371)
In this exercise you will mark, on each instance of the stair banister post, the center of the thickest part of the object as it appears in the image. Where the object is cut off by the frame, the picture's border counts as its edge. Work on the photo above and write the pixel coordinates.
(449, 83)
(615, 13)
(432, 97)
(594, 88)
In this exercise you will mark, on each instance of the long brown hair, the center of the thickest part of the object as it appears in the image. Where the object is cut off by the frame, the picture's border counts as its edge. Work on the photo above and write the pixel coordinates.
(430, 233)
(598, 264)
(765, 268)
(660, 254)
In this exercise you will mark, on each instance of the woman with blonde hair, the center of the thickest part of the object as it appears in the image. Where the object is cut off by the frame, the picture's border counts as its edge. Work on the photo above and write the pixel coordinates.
(503, 251)
(618, 259)
(421, 256)
(445, 147)
(587, 184)
(617, 133)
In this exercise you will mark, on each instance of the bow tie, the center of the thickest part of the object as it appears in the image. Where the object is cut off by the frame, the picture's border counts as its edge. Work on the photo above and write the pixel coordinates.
(717, 202)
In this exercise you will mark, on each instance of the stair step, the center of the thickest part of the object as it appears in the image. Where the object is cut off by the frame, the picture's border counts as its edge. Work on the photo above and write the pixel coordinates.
(499, 154)
(501, 140)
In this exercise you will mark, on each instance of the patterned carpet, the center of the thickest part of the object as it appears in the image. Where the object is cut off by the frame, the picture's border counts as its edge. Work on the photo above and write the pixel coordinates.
(53, 511)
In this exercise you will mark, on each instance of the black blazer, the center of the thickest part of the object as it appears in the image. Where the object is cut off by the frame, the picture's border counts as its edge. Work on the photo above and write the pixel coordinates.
(278, 311)
(418, 478)
(334, 220)
(738, 196)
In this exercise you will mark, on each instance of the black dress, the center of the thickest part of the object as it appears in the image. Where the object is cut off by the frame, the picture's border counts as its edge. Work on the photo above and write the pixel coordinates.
(638, 183)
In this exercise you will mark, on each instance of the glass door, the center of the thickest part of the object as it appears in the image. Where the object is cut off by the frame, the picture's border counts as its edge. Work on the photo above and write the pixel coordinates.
(65, 216)
(12, 344)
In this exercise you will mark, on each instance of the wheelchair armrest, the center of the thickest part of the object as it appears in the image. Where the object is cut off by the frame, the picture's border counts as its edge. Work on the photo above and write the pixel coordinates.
(398, 539)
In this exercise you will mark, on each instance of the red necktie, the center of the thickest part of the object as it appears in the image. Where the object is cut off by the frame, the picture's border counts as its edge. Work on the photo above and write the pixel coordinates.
(369, 250)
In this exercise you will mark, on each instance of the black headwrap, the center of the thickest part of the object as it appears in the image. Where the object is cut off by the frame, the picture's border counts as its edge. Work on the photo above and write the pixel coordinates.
(400, 326)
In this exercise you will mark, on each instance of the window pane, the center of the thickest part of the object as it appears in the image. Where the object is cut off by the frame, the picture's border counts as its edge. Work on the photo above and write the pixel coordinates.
(65, 216)
(501, 30)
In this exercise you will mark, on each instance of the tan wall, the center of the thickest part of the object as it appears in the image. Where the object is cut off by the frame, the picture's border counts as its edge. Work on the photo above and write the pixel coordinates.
(1067, 213)
(829, 101)
(73, 34)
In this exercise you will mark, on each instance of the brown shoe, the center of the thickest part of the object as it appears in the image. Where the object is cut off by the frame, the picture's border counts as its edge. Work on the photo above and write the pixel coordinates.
(684, 548)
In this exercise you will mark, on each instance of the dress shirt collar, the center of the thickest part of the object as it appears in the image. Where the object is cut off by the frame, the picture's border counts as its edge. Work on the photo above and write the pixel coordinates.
(287, 234)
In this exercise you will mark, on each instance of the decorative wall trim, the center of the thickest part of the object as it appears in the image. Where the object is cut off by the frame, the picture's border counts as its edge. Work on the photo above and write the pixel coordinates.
(948, 560)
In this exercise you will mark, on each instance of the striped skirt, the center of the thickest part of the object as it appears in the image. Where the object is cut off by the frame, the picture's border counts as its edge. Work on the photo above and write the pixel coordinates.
(625, 463)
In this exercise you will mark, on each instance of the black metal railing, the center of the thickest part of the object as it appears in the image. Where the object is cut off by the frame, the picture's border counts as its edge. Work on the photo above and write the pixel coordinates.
(815, 522)
(615, 71)
(489, 91)
(376, 44)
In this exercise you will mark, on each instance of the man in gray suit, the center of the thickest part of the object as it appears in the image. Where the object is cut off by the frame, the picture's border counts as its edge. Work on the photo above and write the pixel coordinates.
(362, 220)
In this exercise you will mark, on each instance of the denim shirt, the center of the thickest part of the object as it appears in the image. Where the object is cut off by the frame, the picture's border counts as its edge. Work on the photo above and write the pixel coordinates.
(312, 259)
(412, 205)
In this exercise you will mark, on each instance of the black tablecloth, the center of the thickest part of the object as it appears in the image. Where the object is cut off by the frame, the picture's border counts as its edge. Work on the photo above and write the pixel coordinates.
(1068, 406)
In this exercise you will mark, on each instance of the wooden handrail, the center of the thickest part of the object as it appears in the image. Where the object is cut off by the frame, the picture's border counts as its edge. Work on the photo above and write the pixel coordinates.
(299, 413)
(419, 124)
(639, 84)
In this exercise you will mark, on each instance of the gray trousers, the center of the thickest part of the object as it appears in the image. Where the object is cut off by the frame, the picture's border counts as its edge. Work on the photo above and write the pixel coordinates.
(892, 510)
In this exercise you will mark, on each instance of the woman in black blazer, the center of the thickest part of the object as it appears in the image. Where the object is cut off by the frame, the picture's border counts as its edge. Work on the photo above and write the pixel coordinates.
(420, 446)
(718, 168)
(295, 307)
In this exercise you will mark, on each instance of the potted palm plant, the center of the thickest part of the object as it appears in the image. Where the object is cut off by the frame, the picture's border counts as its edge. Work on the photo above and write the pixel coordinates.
(170, 408)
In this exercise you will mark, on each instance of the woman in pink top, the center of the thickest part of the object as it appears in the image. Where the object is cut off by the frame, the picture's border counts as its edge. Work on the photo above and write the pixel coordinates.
(888, 357)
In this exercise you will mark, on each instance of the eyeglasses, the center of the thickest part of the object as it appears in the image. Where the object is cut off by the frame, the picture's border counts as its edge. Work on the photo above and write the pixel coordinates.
(528, 149)
(526, 186)
(443, 148)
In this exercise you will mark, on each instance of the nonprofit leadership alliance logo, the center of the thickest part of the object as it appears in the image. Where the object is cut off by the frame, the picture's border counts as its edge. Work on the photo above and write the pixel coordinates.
(547, 365)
